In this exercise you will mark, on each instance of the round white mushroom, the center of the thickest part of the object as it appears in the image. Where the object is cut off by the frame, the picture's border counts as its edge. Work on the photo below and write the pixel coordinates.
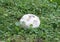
(29, 20)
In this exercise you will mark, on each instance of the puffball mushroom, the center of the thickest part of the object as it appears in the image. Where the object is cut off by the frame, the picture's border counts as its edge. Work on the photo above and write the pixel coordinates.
(29, 20)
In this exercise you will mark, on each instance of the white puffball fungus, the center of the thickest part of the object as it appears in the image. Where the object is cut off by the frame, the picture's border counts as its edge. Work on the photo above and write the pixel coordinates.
(29, 20)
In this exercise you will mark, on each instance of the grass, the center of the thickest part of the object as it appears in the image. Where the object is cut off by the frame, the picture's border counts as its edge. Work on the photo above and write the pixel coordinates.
(47, 10)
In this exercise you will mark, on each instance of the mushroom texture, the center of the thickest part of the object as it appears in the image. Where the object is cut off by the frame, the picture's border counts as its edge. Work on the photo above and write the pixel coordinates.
(29, 20)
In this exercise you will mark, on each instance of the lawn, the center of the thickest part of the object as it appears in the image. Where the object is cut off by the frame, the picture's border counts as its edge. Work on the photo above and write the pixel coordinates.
(47, 10)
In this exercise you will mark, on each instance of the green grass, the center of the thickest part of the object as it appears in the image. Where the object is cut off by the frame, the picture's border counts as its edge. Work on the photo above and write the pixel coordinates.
(47, 10)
